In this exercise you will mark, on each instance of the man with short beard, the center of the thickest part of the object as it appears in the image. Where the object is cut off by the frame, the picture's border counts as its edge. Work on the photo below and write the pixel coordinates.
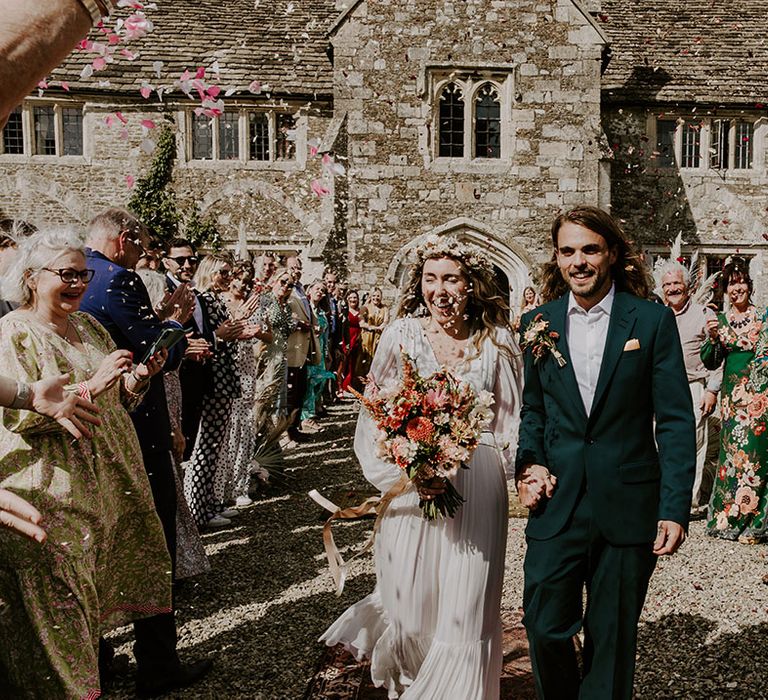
(606, 495)
(704, 385)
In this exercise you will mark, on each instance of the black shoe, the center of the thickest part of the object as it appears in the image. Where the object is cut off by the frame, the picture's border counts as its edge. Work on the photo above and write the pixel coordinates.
(185, 675)
(298, 436)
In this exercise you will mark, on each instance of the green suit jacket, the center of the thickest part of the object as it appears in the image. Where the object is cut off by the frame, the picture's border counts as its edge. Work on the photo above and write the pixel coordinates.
(631, 479)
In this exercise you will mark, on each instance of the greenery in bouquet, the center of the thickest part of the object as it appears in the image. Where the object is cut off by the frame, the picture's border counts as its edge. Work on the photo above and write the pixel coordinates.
(429, 427)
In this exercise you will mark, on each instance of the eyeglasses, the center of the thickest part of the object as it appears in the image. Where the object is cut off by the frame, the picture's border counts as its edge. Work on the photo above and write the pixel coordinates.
(225, 273)
(285, 283)
(181, 259)
(69, 275)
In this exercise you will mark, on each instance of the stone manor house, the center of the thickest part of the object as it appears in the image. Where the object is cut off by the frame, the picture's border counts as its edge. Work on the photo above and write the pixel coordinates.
(480, 118)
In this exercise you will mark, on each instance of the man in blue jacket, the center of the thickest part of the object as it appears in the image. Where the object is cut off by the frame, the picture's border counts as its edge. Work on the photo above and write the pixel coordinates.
(117, 298)
(608, 493)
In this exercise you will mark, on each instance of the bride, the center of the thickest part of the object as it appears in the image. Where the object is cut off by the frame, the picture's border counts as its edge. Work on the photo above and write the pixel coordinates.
(432, 625)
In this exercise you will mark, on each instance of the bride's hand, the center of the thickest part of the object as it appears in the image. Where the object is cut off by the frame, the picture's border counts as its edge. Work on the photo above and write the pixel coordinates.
(535, 483)
(429, 489)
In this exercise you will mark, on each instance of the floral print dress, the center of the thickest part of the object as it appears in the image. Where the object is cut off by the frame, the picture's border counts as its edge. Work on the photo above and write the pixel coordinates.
(737, 509)
(105, 561)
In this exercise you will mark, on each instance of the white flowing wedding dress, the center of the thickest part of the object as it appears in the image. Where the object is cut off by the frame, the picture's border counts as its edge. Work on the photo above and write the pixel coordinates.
(432, 625)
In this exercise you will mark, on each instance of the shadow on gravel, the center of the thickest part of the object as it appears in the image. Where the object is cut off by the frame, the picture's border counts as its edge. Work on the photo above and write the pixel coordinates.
(675, 662)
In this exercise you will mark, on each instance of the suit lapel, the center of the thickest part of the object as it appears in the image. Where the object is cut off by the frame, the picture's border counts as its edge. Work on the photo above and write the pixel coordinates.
(565, 373)
(619, 329)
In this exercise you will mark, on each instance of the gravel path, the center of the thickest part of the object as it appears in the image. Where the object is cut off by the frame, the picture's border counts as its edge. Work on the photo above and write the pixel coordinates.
(260, 611)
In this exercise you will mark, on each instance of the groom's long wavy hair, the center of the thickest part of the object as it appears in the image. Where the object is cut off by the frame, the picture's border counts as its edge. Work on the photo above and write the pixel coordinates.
(487, 306)
(630, 272)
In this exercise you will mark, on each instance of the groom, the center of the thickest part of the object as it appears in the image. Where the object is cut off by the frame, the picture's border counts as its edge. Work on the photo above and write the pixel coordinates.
(605, 497)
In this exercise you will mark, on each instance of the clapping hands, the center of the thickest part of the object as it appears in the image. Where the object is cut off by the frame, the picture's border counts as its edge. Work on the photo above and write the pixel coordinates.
(534, 484)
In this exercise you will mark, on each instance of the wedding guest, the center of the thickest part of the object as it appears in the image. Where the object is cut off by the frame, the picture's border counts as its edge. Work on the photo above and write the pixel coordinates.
(432, 626)
(196, 371)
(374, 317)
(739, 340)
(691, 319)
(264, 267)
(117, 299)
(211, 280)
(354, 365)
(317, 374)
(190, 558)
(529, 302)
(335, 327)
(236, 457)
(302, 349)
(272, 391)
(105, 560)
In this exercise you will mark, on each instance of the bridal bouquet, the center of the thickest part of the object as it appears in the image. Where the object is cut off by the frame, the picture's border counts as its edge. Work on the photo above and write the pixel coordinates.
(429, 427)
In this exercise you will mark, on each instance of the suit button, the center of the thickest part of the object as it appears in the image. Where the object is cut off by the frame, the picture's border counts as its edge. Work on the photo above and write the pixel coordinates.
(589, 440)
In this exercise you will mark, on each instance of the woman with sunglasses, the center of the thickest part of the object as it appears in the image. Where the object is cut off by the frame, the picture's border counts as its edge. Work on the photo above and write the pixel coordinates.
(104, 561)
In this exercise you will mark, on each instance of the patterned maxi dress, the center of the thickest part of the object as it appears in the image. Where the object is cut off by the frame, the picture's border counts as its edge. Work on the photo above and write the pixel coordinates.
(738, 505)
(105, 561)
(432, 626)
(317, 375)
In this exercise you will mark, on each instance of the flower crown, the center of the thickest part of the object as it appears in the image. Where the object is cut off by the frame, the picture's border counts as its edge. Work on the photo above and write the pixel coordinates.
(435, 246)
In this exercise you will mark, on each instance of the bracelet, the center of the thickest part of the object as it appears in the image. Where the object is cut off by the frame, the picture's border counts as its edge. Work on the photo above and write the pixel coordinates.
(84, 392)
(23, 392)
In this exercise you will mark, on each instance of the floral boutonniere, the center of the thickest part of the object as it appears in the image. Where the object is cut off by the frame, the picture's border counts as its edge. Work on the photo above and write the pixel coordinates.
(540, 339)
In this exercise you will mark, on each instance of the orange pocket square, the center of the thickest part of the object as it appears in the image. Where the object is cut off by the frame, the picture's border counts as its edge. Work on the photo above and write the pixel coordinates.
(632, 344)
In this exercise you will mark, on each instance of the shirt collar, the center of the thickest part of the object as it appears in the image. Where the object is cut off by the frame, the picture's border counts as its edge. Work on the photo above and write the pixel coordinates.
(684, 309)
(604, 306)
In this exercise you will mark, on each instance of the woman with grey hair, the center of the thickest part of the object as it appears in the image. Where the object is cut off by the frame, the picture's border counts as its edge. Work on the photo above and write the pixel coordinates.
(104, 561)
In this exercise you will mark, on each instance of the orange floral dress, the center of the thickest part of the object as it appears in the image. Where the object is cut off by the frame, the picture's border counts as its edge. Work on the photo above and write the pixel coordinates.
(105, 561)
(737, 509)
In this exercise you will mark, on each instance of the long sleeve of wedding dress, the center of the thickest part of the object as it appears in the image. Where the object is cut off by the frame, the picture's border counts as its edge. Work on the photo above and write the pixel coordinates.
(385, 369)
(508, 393)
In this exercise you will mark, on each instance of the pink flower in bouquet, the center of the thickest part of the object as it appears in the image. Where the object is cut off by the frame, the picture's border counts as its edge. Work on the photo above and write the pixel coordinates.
(403, 450)
(420, 429)
(435, 399)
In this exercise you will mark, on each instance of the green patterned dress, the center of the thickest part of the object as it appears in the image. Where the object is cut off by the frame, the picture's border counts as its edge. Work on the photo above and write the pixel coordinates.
(737, 509)
(105, 561)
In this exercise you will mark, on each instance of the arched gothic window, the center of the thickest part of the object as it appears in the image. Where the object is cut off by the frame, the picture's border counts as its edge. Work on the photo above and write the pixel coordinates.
(487, 122)
(451, 121)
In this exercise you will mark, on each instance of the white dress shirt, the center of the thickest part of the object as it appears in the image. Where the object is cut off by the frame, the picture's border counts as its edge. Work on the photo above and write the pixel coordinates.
(197, 314)
(586, 332)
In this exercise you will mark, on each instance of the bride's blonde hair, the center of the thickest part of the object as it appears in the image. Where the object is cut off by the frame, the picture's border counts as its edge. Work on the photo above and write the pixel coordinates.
(487, 307)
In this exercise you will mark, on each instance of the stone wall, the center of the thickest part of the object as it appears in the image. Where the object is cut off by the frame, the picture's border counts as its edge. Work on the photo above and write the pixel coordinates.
(721, 212)
(271, 203)
(383, 54)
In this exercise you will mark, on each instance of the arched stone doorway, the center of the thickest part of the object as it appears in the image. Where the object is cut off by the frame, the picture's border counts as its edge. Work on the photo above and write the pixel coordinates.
(511, 263)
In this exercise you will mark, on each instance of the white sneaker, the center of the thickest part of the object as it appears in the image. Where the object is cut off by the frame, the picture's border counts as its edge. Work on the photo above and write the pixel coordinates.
(218, 521)
(229, 513)
(242, 501)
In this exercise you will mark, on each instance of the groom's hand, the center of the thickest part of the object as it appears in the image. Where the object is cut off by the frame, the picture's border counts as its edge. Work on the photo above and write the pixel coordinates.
(534, 483)
(669, 537)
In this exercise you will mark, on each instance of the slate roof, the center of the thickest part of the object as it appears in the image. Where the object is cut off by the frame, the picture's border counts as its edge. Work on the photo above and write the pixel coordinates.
(713, 51)
(281, 43)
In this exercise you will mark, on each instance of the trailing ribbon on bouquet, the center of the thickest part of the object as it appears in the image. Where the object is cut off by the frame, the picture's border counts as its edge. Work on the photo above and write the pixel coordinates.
(336, 563)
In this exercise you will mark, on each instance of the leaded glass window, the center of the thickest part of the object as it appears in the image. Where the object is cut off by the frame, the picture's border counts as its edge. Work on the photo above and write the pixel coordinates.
(743, 152)
(45, 131)
(451, 122)
(258, 135)
(691, 147)
(487, 123)
(72, 131)
(13, 133)
(202, 137)
(719, 150)
(229, 136)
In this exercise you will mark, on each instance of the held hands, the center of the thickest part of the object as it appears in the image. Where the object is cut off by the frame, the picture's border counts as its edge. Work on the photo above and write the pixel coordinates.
(69, 410)
(669, 537)
(534, 484)
(18, 515)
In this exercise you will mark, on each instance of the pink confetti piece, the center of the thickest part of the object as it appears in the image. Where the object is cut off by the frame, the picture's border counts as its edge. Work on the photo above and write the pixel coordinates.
(200, 73)
(65, 85)
(148, 124)
(121, 117)
(319, 189)
(124, 135)
(146, 91)
(255, 87)
(43, 84)
(108, 120)
(130, 181)
(213, 91)
(129, 54)
(99, 63)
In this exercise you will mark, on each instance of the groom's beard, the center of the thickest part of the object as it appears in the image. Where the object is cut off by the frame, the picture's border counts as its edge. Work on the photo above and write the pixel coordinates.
(597, 284)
